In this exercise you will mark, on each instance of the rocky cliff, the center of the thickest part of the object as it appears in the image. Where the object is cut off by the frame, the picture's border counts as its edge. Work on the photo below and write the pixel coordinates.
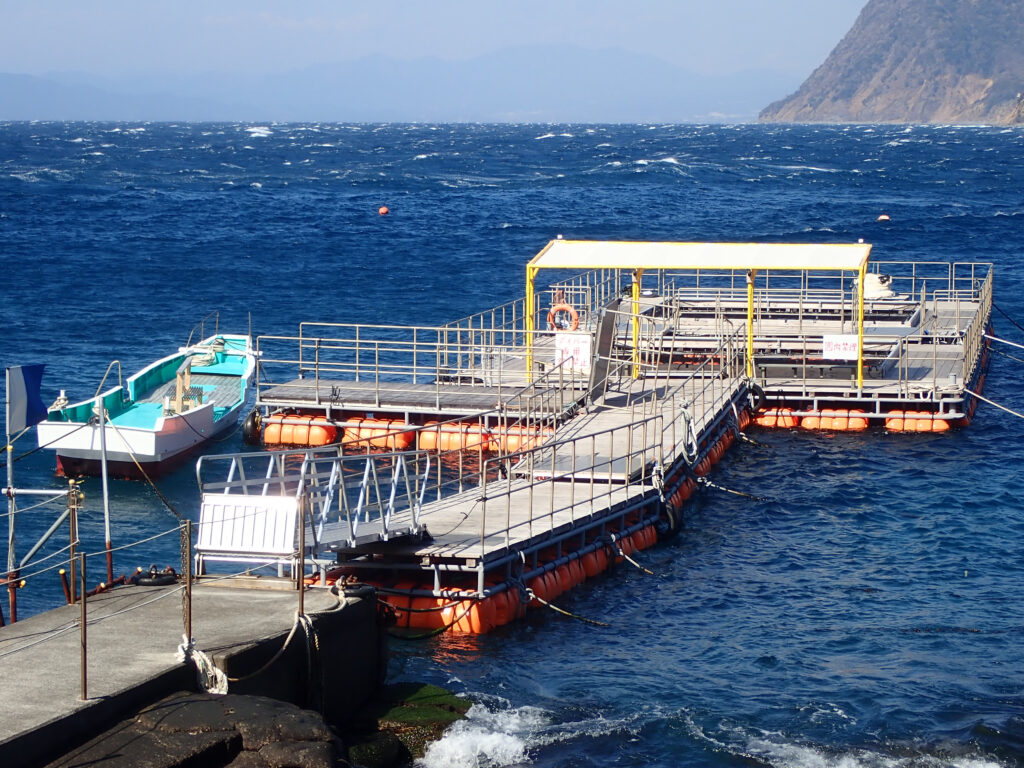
(919, 61)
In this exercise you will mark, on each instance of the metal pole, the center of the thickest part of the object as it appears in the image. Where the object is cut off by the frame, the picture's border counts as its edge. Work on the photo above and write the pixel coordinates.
(302, 554)
(12, 559)
(73, 535)
(188, 580)
(101, 411)
(82, 625)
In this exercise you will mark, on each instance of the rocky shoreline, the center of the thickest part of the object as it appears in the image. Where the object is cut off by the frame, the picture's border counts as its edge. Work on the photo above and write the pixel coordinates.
(240, 731)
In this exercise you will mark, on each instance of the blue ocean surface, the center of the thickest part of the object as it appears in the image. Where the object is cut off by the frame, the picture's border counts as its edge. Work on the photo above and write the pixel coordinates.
(867, 614)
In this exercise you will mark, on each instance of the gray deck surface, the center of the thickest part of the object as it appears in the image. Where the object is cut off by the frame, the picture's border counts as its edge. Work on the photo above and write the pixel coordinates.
(132, 638)
(527, 507)
(392, 396)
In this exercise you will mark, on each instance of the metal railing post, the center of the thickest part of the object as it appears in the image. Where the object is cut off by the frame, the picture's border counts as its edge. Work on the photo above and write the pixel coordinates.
(83, 632)
(188, 580)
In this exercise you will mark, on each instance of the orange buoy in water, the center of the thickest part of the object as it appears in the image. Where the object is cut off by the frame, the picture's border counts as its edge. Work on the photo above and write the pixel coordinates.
(293, 429)
(836, 420)
(777, 418)
(378, 433)
(915, 421)
(469, 617)
(383, 210)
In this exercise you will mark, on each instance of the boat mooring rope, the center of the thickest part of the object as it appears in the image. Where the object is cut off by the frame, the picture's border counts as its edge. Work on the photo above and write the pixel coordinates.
(1002, 341)
(1007, 354)
(1000, 311)
(211, 677)
(715, 486)
(439, 630)
(164, 499)
(627, 558)
(38, 447)
(533, 596)
(752, 441)
(997, 405)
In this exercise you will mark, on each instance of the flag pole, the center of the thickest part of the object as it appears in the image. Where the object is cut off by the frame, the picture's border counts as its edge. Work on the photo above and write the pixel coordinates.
(12, 560)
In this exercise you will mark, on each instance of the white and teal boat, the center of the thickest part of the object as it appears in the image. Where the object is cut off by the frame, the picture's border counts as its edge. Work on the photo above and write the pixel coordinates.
(158, 417)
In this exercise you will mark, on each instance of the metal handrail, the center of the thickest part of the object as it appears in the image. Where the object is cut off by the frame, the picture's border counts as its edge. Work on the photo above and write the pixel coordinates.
(120, 383)
(201, 327)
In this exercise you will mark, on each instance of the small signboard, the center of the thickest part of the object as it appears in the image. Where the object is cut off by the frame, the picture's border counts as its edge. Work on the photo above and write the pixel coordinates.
(574, 350)
(839, 346)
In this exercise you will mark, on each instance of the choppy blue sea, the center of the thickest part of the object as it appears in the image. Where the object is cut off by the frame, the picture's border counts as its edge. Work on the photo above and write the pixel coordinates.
(869, 614)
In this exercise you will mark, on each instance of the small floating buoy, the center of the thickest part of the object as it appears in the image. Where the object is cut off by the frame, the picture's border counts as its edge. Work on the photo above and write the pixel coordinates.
(884, 217)
(383, 210)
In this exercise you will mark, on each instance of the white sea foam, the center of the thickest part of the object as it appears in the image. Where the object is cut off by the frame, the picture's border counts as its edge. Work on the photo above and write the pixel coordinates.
(256, 185)
(78, 140)
(259, 131)
(486, 738)
(545, 136)
(780, 751)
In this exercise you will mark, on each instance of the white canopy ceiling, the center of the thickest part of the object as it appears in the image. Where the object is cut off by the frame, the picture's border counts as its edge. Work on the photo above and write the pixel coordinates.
(605, 254)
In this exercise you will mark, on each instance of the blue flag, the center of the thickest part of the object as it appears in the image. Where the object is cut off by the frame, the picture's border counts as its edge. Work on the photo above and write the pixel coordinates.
(24, 401)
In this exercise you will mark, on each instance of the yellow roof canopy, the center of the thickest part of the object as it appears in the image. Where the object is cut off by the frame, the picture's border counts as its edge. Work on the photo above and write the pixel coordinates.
(606, 254)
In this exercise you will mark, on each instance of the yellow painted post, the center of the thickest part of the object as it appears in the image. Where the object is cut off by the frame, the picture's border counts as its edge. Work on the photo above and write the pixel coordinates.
(860, 325)
(531, 276)
(637, 276)
(751, 274)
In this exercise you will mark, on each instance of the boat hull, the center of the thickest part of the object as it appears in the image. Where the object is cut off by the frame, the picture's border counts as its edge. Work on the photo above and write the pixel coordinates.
(147, 437)
(148, 453)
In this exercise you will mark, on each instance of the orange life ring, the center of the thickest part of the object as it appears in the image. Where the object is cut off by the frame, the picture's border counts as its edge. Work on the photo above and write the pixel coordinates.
(573, 314)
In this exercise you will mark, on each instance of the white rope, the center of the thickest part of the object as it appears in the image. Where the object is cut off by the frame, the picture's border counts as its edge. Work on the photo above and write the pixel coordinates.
(997, 405)
(1004, 341)
(210, 676)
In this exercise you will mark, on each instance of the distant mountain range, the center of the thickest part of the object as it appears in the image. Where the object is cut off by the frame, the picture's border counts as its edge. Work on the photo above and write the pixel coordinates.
(919, 61)
(535, 84)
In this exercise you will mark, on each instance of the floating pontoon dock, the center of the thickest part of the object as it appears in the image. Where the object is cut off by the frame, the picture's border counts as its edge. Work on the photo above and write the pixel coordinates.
(577, 420)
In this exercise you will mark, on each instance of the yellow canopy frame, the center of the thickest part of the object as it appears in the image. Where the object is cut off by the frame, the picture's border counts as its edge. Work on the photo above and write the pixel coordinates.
(746, 257)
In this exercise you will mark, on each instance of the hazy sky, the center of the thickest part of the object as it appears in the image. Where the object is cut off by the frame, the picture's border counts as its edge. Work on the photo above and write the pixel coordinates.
(121, 36)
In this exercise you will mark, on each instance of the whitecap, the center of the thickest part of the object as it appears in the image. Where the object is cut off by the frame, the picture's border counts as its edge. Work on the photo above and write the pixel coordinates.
(777, 750)
(545, 136)
(485, 737)
(78, 140)
(256, 185)
(259, 131)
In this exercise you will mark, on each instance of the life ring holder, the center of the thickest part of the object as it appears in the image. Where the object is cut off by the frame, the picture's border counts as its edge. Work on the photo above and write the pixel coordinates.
(563, 307)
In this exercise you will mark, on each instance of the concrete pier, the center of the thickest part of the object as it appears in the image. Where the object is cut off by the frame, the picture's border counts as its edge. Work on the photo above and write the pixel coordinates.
(132, 638)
